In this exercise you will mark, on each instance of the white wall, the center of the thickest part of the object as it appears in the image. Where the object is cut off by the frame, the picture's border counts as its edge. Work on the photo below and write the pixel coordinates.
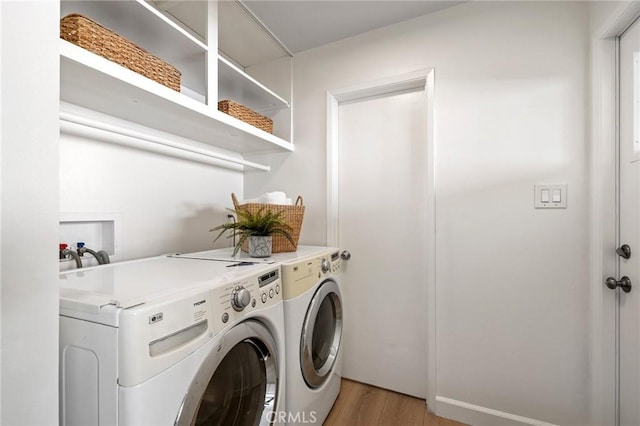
(511, 111)
(163, 204)
(28, 212)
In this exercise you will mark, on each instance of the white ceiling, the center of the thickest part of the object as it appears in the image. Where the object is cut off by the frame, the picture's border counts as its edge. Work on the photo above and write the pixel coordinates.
(304, 24)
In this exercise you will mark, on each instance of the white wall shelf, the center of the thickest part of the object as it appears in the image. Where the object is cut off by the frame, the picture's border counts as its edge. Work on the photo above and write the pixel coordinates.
(190, 15)
(235, 84)
(139, 22)
(90, 81)
(243, 38)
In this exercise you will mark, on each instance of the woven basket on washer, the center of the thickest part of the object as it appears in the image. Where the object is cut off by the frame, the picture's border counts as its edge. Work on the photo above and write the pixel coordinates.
(90, 35)
(292, 215)
(247, 115)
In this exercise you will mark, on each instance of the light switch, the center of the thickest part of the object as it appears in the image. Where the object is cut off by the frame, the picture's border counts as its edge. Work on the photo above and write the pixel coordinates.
(544, 196)
(552, 196)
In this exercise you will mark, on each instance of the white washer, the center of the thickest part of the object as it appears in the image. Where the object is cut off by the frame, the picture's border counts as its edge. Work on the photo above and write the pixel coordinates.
(313, 322)
(171, 341)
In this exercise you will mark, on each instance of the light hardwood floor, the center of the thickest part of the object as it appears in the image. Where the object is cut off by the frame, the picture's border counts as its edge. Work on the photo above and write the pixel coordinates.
(363, 405)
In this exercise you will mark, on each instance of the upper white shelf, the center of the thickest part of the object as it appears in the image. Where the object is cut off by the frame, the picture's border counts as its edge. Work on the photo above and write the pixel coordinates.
(235, 84)
(90, 81)
(243, 38)
(148, 28)
(139, 22)
(191, 15)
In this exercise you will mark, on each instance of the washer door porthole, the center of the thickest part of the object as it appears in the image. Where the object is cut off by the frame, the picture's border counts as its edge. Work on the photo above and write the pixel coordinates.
(321, 334)
(237, 387)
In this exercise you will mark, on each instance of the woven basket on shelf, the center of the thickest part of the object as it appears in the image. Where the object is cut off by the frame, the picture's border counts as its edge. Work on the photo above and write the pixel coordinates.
(247, 115)
(292, 215)
(90, 35)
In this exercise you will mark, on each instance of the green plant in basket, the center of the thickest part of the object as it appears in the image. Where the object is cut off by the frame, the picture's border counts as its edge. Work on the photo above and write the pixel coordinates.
(259, 224)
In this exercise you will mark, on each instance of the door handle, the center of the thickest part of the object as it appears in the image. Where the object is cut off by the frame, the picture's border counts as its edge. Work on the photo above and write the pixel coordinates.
(624, 283)
(624, 251)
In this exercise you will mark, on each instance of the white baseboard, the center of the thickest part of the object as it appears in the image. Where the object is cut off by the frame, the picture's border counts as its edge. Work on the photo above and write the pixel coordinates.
(477, 415)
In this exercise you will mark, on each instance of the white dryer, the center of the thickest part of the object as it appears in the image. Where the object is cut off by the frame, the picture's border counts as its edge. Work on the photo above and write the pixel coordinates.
(166, 341)
(313, 323)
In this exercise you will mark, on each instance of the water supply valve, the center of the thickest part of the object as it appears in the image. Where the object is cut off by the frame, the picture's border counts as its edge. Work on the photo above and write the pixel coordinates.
(63, 247)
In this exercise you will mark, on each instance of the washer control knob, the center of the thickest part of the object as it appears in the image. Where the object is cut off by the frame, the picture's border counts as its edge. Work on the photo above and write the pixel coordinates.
(240, 298)
(345, 255)
(325, 266)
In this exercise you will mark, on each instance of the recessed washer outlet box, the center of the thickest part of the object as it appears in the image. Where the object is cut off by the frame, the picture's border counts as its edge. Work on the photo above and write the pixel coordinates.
(98, 231)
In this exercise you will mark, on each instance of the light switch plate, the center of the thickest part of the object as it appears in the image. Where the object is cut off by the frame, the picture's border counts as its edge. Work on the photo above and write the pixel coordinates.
(541, 202)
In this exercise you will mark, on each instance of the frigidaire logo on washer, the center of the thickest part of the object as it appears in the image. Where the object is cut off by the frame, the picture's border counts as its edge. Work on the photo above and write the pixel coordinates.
(200, 302)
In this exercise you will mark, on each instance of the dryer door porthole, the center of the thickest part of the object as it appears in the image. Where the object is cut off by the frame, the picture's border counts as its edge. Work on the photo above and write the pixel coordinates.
(321, 334)
(238, 386)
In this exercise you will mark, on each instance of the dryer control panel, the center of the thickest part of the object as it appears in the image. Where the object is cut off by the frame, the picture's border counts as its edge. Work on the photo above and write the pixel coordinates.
(301, 276)
(240, 298)
(336, 262)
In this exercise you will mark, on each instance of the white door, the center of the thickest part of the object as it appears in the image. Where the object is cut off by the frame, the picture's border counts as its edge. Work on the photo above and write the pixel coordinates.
(382, 173)
(629, 230)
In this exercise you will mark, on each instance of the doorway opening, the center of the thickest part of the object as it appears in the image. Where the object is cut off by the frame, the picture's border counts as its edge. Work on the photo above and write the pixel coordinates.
(380, 140)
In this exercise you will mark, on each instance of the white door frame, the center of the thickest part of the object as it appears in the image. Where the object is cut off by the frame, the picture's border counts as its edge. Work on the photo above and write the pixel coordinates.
(419, 80)
(604, 141)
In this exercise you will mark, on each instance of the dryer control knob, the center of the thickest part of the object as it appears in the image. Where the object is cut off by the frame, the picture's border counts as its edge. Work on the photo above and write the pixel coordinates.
(325, 266)
(240, 298)
(345, 255)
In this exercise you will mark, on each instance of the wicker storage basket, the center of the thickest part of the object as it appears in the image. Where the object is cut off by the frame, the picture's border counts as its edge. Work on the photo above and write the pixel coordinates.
(247, 115)
(292, 216)
(90, 35)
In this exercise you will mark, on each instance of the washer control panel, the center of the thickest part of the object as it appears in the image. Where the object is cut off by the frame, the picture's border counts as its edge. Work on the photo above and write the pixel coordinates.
(239, 298)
